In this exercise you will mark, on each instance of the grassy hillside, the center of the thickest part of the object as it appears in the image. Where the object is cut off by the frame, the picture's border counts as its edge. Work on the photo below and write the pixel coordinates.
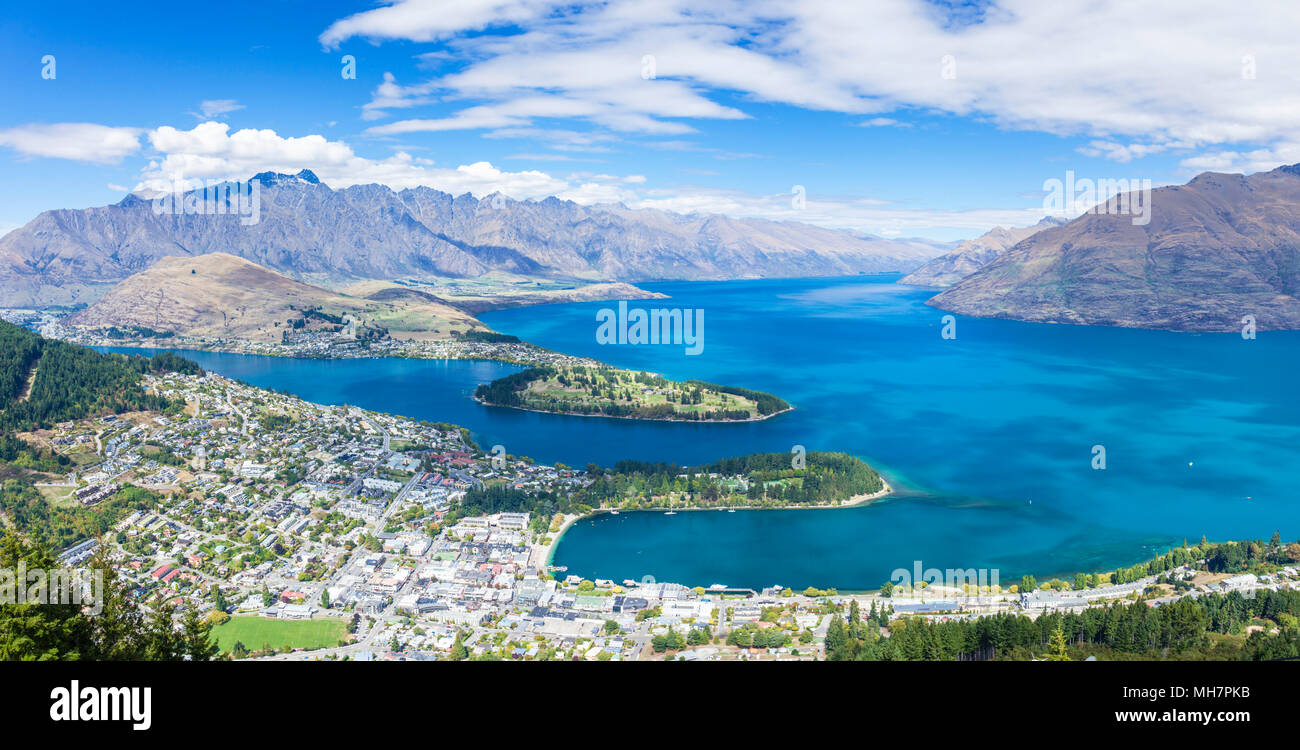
(222, 296)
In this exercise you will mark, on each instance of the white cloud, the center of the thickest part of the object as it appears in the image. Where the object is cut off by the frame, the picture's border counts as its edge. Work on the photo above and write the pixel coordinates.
(78, 141)
(1126, 153)
(390, 95)
(546, 157)
(216, 107)
(210, 151)
(716, 153)
(883, 122)
(426, 20)
(1244, 162)
(863, 215)
(1188, 77)
(559, 140)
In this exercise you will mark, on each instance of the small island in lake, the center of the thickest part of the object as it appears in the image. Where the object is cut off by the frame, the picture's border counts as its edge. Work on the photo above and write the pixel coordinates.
(604, 391)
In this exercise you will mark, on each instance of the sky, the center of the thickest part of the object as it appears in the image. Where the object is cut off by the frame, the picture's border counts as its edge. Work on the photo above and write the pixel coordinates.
(901, 118)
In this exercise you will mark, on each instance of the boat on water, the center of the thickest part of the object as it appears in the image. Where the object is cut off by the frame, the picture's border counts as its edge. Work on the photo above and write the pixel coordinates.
(733, 510)
(613, 513)
(671, 513)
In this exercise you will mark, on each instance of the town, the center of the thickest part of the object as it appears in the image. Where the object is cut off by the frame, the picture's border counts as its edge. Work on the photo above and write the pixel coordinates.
(324, 344)
(316, 532)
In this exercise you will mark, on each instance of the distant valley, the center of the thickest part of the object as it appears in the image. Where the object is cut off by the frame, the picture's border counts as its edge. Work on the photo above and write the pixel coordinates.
(972, 255)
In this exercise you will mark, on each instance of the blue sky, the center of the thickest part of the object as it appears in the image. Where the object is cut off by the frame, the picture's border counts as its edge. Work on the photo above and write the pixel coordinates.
(900, 117)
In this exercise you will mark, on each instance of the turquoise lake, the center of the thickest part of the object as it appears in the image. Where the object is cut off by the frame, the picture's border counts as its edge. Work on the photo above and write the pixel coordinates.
(987, 437)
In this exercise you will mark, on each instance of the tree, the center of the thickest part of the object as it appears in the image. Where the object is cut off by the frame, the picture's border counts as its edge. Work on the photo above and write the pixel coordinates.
(1275, 546)
(458, 650)
(36, 631)
(196, 636)
(836, 639)
(163, 643)
(1059, 650)
(699, 636)
(120, 630)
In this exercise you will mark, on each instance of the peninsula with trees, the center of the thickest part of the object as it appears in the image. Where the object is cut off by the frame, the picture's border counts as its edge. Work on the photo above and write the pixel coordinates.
(604, 391)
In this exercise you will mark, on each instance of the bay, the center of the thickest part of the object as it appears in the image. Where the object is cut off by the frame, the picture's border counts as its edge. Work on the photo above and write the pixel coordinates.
(989, 437)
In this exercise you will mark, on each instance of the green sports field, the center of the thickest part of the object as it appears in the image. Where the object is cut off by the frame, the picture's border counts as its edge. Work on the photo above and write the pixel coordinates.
(254, 632)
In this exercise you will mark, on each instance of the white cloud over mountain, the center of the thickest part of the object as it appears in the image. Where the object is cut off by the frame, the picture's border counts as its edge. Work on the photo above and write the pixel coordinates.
(1216, 90)
(211, 152)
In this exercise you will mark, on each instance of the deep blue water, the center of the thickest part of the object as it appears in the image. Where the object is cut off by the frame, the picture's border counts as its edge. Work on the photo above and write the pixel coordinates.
(988, 436)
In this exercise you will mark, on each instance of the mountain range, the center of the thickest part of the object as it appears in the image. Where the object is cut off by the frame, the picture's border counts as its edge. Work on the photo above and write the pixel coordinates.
(332, 238)
(1217, 249)
(972, 255)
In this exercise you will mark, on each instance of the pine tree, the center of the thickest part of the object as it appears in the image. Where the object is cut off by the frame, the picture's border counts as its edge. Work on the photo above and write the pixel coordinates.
(1059, 650)
(119, 632)
(196, 636)
(37, 631)
(162, 642)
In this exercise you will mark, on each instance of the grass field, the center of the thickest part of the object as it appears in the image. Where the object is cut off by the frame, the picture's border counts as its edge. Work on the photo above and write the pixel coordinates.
(254, 632)
(58, 495)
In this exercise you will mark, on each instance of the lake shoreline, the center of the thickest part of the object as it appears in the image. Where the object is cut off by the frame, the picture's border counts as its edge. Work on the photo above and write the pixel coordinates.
(638, 419)
(853, 502)
(157, 345)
